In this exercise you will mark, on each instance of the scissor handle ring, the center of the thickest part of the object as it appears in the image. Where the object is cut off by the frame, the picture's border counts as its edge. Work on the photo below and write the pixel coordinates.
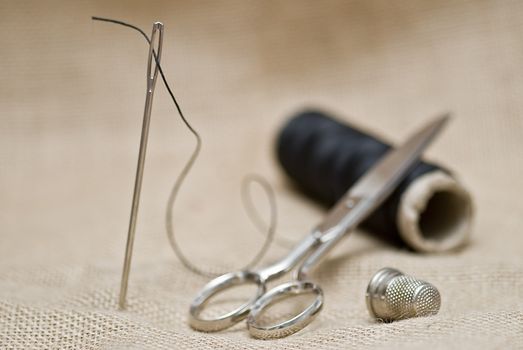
(293, 325)
(215, 286)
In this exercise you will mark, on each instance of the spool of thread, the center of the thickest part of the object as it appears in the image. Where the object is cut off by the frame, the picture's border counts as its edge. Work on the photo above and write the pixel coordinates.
(430, 211)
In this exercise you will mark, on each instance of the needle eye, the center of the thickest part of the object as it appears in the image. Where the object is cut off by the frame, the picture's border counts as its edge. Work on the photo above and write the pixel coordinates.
(155, 53)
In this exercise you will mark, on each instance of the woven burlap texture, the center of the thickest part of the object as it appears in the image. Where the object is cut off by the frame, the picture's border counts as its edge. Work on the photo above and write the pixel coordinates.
(71, 101)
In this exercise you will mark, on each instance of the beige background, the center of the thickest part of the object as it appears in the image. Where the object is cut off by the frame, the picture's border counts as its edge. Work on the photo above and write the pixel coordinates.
(71, 100)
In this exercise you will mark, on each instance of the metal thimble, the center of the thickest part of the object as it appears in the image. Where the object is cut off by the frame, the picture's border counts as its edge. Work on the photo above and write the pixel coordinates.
(392, 295)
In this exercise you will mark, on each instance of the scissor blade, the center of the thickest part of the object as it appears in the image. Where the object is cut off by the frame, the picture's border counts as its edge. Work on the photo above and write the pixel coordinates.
(385, 175)
(369, 192)
(378, 183)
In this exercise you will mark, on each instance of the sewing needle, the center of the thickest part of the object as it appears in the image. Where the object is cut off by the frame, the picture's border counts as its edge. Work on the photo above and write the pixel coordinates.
(152, 74)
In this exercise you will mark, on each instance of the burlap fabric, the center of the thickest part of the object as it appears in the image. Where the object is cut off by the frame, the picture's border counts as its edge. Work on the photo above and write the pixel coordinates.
(71, 100)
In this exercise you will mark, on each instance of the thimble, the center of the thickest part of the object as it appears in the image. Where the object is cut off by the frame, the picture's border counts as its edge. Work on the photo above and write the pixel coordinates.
(392, 295)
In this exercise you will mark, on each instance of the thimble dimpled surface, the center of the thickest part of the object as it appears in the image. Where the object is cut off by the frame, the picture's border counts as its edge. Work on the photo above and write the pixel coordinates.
(410, 297)
(392, 295)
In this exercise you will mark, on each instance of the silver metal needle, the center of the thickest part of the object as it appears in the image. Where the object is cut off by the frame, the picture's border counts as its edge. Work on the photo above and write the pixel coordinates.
(152, 74)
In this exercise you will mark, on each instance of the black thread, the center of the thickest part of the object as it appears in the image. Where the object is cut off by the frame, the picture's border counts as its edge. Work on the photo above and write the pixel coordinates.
(248, 180)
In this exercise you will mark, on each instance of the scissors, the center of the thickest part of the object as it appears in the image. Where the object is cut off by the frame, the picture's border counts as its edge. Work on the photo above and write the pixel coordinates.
(356, 205)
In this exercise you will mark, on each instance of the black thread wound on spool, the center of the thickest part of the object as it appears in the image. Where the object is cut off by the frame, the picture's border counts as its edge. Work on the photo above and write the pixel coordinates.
(325, 158)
